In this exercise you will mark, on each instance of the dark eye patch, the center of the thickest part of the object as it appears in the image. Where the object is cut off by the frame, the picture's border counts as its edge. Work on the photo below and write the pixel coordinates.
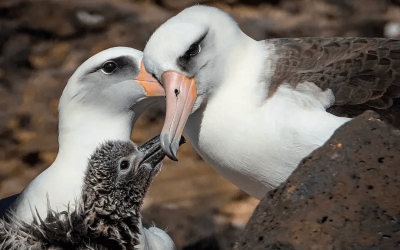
(124, 63)
(184, 61)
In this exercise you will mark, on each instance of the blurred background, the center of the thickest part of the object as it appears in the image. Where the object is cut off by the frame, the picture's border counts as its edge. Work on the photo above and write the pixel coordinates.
(42, 42)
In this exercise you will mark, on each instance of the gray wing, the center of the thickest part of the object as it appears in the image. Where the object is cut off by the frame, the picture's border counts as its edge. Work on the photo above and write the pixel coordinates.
(363, 73)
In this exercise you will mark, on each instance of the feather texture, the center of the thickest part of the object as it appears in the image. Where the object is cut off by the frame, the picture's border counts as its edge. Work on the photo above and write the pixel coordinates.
(107, 216)
(357, 70)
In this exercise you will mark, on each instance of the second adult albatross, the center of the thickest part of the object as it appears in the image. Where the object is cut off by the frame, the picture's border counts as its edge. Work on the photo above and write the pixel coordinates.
(101, 101)
(254, 109)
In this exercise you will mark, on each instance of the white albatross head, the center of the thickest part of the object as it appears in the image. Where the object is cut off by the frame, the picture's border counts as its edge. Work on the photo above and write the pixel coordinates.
(187, 54)
(112, 88)
(113, 81)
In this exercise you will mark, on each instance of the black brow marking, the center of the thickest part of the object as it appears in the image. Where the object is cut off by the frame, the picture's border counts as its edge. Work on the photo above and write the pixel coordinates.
(121, 62)
(184, 61)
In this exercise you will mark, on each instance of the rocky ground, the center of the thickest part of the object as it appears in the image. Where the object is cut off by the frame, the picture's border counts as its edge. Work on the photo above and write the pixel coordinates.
(43, 41)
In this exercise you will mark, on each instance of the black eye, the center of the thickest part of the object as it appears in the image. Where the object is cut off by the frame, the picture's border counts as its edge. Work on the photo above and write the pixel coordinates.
(109, 67)
(194, 49)
(124, 165)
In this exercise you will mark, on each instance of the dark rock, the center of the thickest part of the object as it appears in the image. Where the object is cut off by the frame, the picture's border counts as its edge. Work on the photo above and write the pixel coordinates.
(24, 121)
(15, 52)
(209, 243)
(32, 158)
(353, 5)
(49, 21)
(179, 4)
(258, 2)
(9, 8)
(345, 195)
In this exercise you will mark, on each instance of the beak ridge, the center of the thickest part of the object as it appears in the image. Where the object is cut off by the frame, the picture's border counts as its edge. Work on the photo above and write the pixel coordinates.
(180, 94)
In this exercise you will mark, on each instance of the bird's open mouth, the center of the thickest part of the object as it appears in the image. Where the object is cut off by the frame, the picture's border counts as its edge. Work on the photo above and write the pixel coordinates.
(153, 153)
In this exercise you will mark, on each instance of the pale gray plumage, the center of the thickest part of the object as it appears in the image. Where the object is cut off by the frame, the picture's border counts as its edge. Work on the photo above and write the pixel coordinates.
(108, 214)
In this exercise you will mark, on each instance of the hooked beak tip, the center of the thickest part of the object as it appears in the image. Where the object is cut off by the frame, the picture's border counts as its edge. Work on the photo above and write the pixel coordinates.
(171, 153)
(169, 147)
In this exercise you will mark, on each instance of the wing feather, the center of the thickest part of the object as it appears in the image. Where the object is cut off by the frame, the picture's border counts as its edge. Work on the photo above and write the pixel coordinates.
(357, 70)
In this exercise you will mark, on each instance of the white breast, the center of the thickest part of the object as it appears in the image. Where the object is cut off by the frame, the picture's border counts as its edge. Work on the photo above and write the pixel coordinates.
(253, 142)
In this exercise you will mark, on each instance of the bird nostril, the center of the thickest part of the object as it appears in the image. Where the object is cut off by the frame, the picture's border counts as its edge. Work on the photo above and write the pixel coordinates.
(176, 92)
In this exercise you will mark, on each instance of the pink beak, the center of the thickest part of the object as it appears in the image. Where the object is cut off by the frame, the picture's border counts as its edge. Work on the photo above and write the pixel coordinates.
(181, 94)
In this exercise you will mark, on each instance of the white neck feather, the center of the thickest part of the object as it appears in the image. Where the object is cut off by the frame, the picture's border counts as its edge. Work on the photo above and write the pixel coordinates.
(81, 131)
(154, 238)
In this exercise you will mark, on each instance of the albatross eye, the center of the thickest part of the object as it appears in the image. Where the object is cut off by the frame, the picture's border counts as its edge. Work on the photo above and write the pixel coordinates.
(109, 67)
(194, 49)
(124, 165)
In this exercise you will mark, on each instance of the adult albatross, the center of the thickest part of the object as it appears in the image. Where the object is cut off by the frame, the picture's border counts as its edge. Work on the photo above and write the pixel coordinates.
(101, 101)
(254, 109)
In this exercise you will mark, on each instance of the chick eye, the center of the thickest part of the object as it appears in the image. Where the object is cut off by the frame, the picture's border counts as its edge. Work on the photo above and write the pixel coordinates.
(109, 67)
(194, 49)
(124, 165)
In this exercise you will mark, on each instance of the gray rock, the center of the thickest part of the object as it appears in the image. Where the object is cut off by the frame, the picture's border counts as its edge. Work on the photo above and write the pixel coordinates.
(345, 195)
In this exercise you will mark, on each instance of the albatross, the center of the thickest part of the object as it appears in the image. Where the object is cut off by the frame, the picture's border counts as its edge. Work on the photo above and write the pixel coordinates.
(101, 101)
(254, 109)
(107, 215)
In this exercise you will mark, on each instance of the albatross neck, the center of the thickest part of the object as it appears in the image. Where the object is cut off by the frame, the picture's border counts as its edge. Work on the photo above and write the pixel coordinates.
(81, 130)
(80, 133)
